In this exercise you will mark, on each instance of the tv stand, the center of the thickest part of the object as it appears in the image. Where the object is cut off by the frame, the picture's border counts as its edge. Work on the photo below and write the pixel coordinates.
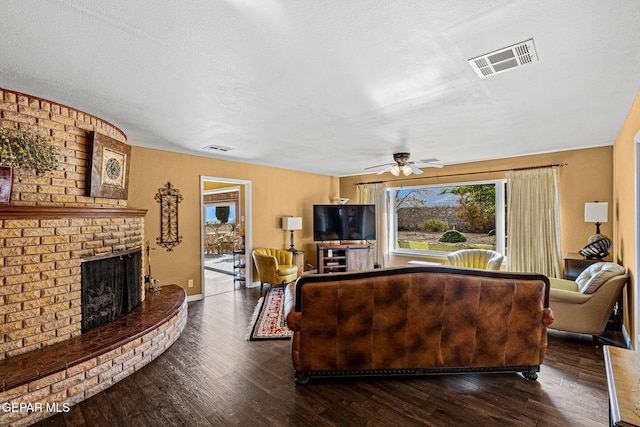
(344, 257)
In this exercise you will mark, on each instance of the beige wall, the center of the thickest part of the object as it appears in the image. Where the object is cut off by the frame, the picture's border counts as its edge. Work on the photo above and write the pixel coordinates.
(279, 192)
(588, 176)
(625, 234)
(276, 193)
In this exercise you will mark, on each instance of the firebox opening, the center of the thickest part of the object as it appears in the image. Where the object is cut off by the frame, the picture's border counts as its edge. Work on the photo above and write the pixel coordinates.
(110, 287)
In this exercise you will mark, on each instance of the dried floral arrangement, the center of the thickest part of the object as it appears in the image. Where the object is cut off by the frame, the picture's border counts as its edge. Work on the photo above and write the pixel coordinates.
(22, 148)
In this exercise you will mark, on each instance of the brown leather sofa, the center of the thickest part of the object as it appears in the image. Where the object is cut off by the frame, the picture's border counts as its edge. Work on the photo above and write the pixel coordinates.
(404, 321)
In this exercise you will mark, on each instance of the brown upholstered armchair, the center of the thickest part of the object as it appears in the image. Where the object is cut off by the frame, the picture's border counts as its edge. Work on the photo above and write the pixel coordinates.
(275, 266)
(476, 258)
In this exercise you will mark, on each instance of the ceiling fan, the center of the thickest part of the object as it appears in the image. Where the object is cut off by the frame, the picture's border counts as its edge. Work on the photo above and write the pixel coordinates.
(402, 164)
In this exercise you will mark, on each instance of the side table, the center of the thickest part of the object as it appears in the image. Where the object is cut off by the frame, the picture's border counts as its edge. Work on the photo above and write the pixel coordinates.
(574, 263)
(298, 259)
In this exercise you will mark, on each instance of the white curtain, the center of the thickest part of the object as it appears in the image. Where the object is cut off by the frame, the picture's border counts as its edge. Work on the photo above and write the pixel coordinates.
(375, 194)
(533, 219)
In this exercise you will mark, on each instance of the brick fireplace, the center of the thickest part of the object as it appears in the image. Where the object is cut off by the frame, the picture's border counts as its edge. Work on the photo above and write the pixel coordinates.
(51, 225)
(47, 231)
(41, 272)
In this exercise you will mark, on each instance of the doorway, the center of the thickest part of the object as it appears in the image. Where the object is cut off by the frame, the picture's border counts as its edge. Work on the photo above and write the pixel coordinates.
(635, 340)
(225, 231)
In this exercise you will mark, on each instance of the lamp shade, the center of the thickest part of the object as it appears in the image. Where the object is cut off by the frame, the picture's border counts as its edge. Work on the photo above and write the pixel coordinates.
(291, 223)
(596, 212)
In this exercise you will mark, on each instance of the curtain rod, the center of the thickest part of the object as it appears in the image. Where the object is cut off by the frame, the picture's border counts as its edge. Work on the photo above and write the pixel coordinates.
(467, 173)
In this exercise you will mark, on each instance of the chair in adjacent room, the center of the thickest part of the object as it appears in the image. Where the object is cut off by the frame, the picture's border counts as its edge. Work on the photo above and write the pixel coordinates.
(210, 240)
(584, 306)
(476, 258)
(274, 266)
(225, 239)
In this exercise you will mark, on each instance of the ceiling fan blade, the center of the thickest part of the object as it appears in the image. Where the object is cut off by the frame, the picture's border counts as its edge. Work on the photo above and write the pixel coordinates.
(432, 165)
(414, 169)
(429, 163)
(387, 169)
(379, 166)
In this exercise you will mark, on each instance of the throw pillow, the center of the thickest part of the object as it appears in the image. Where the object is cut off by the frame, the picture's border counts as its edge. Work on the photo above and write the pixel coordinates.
(596, 274)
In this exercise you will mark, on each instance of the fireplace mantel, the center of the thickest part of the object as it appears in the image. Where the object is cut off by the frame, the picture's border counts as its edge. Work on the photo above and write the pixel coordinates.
(51, 212)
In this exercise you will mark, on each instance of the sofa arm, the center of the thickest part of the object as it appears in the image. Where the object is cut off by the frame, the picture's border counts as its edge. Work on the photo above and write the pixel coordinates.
(569, 297)
(285, 270)
(547, 317)
(567, 285)
(293, 318)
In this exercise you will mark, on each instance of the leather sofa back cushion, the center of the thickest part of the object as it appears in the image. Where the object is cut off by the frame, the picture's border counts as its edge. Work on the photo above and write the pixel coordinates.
(596, 274)
(418, 321)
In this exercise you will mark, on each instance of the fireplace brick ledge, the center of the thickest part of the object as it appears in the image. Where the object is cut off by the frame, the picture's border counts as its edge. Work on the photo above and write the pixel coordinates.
(69, 372)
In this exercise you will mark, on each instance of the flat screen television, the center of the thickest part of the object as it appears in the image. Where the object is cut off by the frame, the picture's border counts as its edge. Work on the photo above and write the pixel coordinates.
(344, 222)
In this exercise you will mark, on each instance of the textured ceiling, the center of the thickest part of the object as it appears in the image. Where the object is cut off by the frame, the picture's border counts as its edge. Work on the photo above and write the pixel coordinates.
(335, 86)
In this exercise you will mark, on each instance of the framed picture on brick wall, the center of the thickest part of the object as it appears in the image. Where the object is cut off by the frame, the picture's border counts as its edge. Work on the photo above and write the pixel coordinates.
(5, 184)
(110, 161)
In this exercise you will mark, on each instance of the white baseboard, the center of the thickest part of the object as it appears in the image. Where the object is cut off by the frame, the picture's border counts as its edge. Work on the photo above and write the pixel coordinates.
(196, 297)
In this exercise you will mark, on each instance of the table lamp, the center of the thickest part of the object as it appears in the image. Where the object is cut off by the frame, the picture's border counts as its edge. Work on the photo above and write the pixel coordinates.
(596, 212)
(291, 223)
(599, 244)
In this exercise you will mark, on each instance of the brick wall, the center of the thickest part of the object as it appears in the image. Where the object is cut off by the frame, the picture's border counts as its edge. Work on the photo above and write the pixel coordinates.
(69, 130)
(40, 256)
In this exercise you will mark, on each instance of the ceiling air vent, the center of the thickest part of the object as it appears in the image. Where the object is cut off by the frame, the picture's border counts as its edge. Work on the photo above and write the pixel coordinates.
(219, 148)
(504, 59)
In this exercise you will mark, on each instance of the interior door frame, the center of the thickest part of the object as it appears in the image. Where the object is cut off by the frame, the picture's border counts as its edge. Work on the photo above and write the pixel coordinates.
(635, 340)
(246, 219)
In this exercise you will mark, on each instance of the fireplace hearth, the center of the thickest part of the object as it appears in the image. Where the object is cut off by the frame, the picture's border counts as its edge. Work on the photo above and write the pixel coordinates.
(110, 287)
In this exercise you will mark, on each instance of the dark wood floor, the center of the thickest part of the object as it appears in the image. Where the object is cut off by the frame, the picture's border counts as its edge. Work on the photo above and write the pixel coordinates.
(212, 377)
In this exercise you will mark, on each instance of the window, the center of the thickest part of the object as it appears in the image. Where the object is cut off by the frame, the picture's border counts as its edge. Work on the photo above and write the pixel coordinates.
(437, 219)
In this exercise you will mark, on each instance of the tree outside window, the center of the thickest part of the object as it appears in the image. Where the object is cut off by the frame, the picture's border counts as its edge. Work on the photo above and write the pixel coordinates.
(446, 218)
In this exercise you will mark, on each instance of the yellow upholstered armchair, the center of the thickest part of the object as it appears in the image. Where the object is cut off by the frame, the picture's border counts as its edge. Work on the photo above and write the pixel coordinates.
(584, 306)
(476, 258)
(275, 266)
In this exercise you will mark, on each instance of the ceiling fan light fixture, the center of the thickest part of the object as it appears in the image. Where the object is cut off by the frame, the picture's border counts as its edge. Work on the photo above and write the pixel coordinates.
(402, 164)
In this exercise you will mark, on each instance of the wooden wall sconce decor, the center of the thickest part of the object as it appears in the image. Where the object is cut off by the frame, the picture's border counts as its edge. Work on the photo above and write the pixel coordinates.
(110, 161)
(169, 198)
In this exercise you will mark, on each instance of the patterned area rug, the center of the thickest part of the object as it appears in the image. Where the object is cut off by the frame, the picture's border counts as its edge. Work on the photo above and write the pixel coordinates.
(268, 321)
